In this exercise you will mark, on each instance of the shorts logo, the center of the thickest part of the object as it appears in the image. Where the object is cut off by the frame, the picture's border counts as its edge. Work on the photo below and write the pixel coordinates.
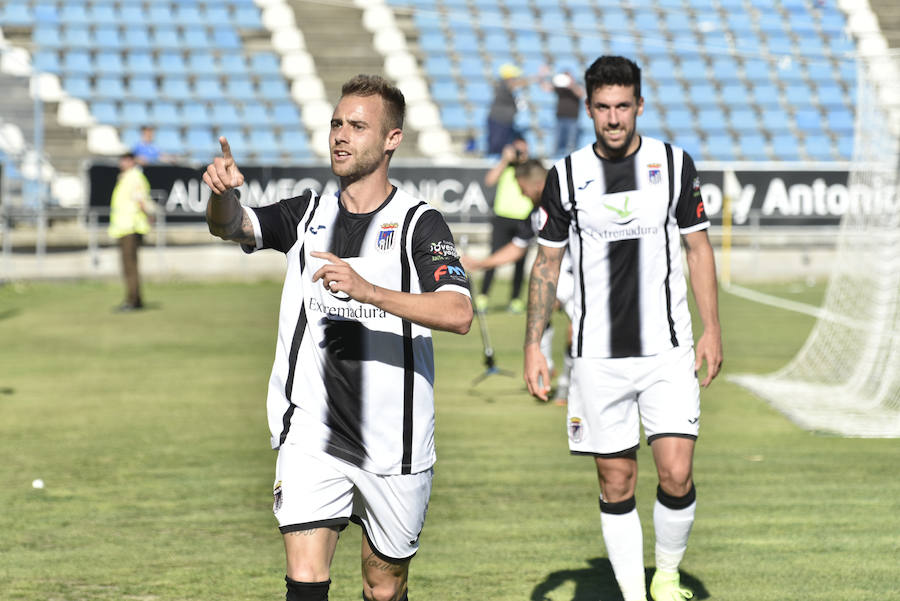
(655, 172)
(277, 494)
(385, 240)
(576, 429)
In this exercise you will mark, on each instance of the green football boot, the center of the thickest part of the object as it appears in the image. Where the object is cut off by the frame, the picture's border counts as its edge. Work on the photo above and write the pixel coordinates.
(666, 586)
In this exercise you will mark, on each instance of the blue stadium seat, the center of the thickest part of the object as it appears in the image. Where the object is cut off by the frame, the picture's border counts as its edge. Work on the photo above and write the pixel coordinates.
(591, 45)
(107, 37)
(202, 63)
(694, 70)
(134, 112)
(109, 86)
(678, 21)
(720, 147)
(195, 113)
(845, 147)
(256, 115)
(273, 88)
(808, 120)
(165, 37)
(171, 62)
(46, 36)
(615, 20)
(701, 94)
(74, 13)
(712, 119)
(295, 142)
(445, 91)
(465, 42)
(17, 14)
(139, 63)
(77, 61)
(45, 13)
(819, 147)
(133, 13)
(744, 119)
(840, 121)
(76, 36)
(109, 63)
(438, 66)
(225, 114)
(138, 37)
(216, 13)
(679, 119)
(164, 113)
(471, 67)
(186, 12)
(78, 86)
(176, 88)
(196, 37)
(209, 88)
(239, 88)
(262, 142)
(820, 71)
(160, 13)
(735, 93)
(496, 41)
(623, 46)
(226, 39)
(233, 63)
(169, 140)
(247, 16)
(528, 44)
(142, 86)
(237, 139)
(775, 121)
(46, 61)
(758, 70)
(200, 141)
(752, 147)
(264, 64)
(724, 69)
(103, 13)
(560, 44)
(765, 94)
(831, 96)
(785, 147)
(285, 114)
(106, 112)
(479, 92)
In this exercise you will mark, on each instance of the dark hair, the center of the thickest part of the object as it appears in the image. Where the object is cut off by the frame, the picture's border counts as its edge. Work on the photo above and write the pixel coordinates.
(530, 168)
(612, 71)
(127, 155)
(374, 85)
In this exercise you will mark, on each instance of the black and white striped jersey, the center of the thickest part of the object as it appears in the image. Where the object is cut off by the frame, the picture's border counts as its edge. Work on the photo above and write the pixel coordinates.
(349, 378)
(621, 220)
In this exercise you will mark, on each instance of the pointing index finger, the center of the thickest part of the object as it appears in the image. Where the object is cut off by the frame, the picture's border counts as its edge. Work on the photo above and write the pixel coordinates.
(226, 148)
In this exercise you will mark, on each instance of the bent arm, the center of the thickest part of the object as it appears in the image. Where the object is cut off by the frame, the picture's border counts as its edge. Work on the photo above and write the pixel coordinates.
(227, 219)
(508, 253)
(441, 310)
(702, 267)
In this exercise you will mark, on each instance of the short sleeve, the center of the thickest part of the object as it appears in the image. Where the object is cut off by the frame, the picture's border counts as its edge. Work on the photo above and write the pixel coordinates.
(435, 255)
(278, 222)
(553, 219)
(689, 211)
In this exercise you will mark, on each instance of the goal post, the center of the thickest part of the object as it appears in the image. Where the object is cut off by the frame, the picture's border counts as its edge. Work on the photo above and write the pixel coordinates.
(846, 377)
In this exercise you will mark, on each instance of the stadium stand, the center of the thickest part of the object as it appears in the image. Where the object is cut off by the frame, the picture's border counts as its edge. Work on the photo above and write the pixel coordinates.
(752, 74)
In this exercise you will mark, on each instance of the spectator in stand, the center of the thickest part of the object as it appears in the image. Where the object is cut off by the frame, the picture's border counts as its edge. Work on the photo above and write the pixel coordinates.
(146, 152)
(569, 98)
(501, 128)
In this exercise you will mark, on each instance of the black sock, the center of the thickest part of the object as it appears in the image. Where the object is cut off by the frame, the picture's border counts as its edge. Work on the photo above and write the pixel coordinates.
(306, 591)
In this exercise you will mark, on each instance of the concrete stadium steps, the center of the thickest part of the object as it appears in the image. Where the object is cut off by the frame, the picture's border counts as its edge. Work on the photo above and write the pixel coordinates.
(888, 12)
(339, 56)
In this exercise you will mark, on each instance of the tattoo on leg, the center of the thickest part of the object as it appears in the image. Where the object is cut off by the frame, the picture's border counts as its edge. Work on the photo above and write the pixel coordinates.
(309, 532)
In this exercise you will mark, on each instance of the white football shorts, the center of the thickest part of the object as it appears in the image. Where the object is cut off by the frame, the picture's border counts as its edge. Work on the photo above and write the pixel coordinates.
(317, 490)
(609, 399)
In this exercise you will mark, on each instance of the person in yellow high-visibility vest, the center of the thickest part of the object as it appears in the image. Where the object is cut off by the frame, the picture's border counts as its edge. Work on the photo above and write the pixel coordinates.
(128, 223)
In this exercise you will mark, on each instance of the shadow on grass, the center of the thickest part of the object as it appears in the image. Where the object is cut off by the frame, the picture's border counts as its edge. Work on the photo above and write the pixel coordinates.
(9, 313)
(599, 582)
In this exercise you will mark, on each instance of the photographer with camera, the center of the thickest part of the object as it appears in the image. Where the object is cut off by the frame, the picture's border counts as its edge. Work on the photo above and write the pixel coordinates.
(511, 208)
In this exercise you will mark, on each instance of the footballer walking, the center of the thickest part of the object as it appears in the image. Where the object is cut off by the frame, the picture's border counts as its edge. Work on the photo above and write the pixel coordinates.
(371, 271)
(622, 206)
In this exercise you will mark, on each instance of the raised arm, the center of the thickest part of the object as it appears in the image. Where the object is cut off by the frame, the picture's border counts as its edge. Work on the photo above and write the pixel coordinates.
(224, 215)
(702, 267)
(541, 298)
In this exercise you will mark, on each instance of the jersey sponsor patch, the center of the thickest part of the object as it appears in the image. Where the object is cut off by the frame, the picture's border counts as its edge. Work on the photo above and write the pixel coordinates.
(445, 249)
(450, 273)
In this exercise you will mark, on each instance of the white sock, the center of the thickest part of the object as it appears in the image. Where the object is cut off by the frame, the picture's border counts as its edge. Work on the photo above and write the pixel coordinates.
(625, 547)
(547, 346)
(673, 527)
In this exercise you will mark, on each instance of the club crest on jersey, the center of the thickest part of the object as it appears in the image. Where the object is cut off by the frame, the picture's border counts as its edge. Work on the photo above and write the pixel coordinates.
(654, 170)
(385, 240)
(576, 429)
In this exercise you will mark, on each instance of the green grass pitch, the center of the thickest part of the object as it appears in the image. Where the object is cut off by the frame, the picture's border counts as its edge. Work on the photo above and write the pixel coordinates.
(149, 432)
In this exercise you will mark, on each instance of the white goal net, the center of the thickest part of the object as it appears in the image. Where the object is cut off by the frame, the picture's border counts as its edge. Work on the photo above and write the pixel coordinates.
(846, 377)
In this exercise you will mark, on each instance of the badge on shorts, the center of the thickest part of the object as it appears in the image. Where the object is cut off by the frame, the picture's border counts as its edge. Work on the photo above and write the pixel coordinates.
(576, 429)
(277, 493)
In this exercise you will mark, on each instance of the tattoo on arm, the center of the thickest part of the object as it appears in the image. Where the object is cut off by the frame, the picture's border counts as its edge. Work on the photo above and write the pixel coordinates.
(235, 226)
(542, 292)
